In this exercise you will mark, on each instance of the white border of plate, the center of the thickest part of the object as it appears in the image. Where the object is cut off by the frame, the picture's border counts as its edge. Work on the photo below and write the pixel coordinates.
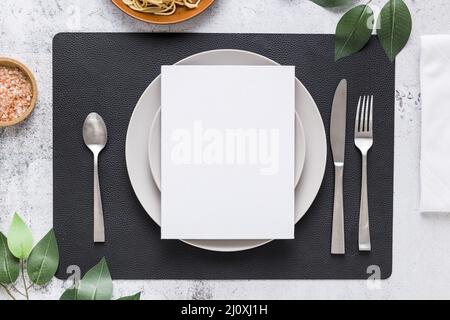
(136, 149)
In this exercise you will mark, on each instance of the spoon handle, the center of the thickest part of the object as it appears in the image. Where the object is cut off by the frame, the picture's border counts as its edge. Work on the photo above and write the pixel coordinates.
(99, 226)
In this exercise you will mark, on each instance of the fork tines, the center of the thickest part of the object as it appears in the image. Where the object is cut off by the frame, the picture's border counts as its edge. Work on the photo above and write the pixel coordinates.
(363, 122)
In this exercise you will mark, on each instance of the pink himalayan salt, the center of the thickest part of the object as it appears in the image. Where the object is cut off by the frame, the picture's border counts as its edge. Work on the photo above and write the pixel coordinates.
(16, 92)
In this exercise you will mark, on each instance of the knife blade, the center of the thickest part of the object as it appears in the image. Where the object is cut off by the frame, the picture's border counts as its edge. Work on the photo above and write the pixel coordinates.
(337, 138)
(338, 122)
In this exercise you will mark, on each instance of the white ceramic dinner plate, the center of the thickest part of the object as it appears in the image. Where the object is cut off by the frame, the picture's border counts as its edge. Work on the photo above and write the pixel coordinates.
(136, 150)
(154, 149)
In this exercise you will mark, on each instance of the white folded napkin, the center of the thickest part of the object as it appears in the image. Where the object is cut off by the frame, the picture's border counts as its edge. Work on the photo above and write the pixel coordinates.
(435, 144)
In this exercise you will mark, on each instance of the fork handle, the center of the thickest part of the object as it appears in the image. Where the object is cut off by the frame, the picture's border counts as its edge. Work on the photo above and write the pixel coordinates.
(364, 230)
(337, 232)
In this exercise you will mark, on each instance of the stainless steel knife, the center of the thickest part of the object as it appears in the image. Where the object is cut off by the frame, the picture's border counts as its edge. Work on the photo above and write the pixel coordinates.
(337, 138)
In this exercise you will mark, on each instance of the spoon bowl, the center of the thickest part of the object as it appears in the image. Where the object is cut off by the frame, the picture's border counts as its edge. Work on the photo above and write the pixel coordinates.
(95, 134)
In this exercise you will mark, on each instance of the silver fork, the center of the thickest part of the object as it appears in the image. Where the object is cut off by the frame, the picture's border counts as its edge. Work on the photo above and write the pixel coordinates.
(364, 141)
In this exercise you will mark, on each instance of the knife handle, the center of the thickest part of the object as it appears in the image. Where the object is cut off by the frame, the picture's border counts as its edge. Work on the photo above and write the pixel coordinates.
(337, 233)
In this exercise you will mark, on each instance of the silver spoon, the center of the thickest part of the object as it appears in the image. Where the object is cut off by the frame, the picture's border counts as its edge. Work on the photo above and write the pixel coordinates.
(95, 137)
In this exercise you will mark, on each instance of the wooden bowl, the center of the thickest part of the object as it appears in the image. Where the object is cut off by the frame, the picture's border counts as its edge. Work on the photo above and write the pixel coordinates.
(182, 13)
(14, 63)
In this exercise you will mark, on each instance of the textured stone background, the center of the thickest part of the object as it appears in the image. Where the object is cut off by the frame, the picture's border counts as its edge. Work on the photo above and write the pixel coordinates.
(421, 243)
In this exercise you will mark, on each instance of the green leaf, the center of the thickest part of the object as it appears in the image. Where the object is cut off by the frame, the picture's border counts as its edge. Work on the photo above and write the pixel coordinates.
(96, 283)
(353, 31)
(20, 239)
(69, 294)
(9, 265)
(331, 3)
(136, 296)
(43, 260)
(395, 27)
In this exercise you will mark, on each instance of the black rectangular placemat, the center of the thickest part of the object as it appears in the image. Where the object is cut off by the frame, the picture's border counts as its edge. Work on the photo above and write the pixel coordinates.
(107, 73)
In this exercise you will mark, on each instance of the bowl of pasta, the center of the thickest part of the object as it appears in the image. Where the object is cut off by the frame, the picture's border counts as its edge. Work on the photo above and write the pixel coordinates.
(163, 11)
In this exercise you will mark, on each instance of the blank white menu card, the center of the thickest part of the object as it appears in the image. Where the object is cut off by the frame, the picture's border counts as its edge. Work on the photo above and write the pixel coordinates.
(227, 152)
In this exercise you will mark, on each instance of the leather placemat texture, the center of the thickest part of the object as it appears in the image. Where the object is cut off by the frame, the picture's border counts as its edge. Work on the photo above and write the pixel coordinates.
(107, 73)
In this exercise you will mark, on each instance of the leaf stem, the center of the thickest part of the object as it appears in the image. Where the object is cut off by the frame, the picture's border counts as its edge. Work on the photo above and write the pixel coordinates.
(7, 291)
(23, 279)
(18, 291)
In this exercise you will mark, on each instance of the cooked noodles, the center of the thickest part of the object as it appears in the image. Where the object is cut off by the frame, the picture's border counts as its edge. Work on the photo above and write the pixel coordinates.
(160, 7)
